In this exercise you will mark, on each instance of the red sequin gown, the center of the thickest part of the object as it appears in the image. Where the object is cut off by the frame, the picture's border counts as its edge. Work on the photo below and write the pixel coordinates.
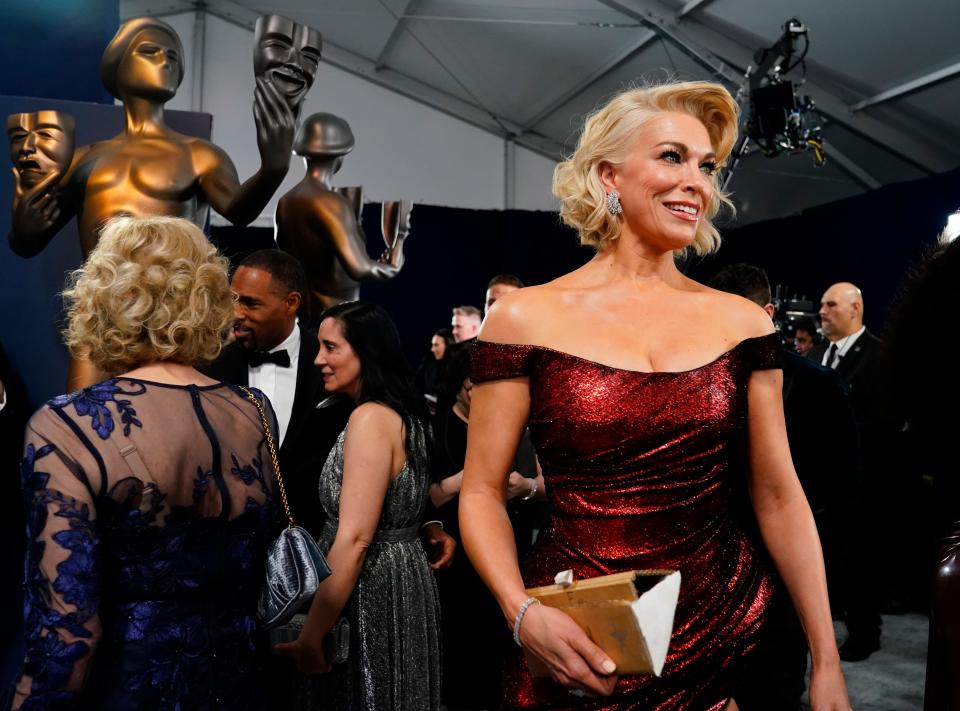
(647, 470)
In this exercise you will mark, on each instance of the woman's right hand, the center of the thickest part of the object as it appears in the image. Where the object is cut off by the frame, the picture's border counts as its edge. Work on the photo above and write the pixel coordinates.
(518, 485)
(306, 653)
(828, 689)
(573, 659)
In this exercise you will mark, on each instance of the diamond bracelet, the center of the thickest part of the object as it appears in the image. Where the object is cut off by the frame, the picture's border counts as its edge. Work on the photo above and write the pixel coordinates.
(519, 618)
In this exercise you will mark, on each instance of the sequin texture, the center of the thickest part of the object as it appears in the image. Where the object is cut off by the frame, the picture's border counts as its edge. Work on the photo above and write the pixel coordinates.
(394, 612)
(647, 470)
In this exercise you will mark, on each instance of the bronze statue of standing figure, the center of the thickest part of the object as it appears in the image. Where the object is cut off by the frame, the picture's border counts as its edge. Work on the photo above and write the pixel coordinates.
(148, 168)
(320, 225)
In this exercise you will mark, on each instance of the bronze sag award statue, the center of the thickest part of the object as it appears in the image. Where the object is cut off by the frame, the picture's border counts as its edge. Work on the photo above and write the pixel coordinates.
(320, 225)
(148, 168)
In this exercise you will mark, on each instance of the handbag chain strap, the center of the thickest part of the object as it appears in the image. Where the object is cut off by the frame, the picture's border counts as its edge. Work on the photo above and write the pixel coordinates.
(273, 453)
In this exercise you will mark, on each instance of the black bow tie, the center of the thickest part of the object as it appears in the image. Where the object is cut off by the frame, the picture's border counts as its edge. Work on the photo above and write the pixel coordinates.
(281, 358)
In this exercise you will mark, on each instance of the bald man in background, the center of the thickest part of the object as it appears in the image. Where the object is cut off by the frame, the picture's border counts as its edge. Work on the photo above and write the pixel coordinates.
(851, 348)
(856, 355)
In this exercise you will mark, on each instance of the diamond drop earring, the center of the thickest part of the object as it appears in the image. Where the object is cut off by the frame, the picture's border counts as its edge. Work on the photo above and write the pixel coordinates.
(613, 203)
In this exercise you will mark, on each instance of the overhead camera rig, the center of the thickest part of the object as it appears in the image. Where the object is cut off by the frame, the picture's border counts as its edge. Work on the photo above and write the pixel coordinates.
(773, 115)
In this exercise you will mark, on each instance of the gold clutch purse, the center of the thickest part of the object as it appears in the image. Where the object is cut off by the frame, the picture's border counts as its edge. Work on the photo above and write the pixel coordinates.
(628, 615)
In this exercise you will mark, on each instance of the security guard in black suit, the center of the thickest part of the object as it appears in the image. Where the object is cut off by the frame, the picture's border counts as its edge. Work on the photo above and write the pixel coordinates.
(857, 355)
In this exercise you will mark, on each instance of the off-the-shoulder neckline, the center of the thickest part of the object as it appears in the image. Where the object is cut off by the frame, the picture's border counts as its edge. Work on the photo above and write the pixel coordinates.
(573, 356)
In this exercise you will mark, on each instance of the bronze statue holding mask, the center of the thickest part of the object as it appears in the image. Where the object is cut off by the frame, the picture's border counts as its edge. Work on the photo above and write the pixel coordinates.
(320, 225)
(148, 168)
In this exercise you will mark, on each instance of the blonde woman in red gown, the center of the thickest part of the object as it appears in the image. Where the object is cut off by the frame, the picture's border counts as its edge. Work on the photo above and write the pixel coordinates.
(655, 406)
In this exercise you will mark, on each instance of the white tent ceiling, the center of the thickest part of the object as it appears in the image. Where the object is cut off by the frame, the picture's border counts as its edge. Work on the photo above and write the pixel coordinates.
(884, 74)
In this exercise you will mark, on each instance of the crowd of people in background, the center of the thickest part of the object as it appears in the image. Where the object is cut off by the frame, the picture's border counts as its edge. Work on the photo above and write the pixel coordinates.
(609, 429)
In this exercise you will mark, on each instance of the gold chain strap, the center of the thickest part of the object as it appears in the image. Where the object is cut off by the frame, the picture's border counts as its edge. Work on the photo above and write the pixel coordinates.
(273, 453)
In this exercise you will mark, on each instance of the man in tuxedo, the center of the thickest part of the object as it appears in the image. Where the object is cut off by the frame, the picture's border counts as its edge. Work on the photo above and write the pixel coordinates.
(274, 354)
(823, 443)
(856, 354)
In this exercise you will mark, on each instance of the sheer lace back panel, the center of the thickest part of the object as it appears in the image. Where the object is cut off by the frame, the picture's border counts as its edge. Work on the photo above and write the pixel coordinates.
(149, 510)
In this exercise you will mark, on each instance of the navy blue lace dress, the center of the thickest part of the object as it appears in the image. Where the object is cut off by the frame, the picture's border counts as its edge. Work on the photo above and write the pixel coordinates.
(149, 509)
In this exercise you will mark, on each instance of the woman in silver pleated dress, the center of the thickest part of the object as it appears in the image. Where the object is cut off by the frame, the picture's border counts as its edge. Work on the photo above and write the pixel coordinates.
(374, 490)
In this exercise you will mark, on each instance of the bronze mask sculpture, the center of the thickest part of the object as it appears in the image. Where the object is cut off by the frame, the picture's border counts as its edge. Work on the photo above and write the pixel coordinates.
(148, 168)
(287, 55)
(41, 146)
(320, 225)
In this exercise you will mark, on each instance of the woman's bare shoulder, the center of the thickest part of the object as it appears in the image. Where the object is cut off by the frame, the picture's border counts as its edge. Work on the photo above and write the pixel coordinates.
(744, 317)
(373, 418)
(524, 316)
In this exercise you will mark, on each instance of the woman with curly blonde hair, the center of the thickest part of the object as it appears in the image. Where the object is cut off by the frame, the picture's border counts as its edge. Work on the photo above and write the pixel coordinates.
(149, 495)
(655, 407)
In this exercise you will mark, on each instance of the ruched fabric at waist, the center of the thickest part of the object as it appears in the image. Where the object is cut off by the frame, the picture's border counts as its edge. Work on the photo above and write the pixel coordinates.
(382, 535)
(591, 547)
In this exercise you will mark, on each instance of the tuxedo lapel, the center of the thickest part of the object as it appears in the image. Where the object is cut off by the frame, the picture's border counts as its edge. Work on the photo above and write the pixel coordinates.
(229, 367)
(309, 387)
(850, 362)
(817, 353)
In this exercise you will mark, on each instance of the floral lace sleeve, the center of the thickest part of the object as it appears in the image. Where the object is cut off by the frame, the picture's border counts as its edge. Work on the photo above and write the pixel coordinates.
(61, 579)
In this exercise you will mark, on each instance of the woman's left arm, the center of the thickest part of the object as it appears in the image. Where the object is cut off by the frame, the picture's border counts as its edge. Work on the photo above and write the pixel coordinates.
(62, 587)
(373, 441)
(790, 535)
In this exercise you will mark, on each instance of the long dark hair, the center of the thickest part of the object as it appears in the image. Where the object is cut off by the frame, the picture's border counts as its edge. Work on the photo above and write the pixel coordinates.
(385, 375)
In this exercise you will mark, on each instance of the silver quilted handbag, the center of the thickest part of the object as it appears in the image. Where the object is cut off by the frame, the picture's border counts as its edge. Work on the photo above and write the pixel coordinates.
(294, 565)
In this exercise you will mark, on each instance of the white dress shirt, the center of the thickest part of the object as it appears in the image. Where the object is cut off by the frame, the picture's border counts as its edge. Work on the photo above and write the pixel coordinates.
(843, 346)
(279, 384)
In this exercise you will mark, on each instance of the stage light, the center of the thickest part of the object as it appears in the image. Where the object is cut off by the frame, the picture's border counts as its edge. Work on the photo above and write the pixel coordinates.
(775, 117)
(952, 230)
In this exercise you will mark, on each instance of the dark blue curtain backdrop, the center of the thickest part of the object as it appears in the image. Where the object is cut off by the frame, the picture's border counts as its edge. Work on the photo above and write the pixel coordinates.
(451, 255)
(870, 240)
(52, 48)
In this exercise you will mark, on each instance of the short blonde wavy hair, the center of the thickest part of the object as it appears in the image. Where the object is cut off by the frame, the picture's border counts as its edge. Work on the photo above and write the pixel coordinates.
(153, 288)
(609, 135)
